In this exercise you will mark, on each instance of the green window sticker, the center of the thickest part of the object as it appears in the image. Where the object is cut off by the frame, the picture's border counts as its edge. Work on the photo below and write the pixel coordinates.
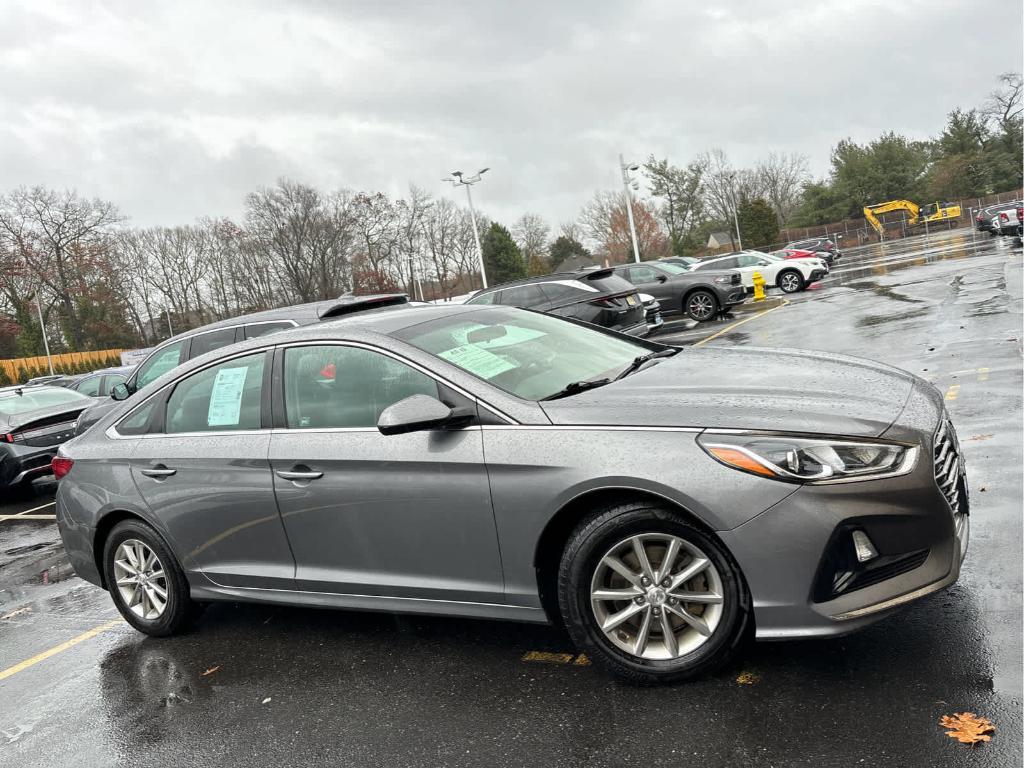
(477, 361)
(226, 397)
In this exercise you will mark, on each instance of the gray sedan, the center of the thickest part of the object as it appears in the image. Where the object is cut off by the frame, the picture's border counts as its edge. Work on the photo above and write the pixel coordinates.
(499, 463)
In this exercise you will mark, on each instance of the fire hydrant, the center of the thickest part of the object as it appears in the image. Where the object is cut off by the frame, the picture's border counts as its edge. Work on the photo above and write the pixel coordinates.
(758, 287)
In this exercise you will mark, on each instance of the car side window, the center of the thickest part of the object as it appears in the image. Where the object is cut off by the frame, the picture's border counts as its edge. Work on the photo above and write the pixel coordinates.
(137, 421)
(338, 386)
(159, 363)
(643, 275)
(523, 296)
(209, 341)
(111, 381)
(486, 298)
(89, 386)
(222, 397)
(262, 329)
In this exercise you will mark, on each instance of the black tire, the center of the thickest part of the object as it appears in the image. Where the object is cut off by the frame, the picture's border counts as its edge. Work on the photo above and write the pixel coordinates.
(588, 544)
(701, 305)
(790, 281)
(180, 611)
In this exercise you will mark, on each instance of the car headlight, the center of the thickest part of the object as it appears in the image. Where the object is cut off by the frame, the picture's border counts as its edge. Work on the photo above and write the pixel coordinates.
(809, 460)
(724, 279)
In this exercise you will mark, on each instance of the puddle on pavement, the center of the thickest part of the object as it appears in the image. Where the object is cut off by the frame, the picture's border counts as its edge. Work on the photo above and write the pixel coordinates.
(873, 320)
(37, 562)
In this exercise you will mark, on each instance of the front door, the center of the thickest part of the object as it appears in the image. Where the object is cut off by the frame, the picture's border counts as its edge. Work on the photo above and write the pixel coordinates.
(368, 514)
(206, 477)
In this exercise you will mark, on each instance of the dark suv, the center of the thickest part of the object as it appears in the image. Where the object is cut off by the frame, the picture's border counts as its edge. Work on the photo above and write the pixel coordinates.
(700, 295)
(191, 344)
(596, 296)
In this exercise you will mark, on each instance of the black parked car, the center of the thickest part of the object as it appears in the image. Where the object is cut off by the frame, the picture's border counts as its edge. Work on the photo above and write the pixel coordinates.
(34, 421)
(596, 296)
(191, 344)
(700, 295)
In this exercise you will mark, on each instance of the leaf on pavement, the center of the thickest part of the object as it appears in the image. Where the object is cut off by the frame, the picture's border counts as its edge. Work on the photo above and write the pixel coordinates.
(748, 678)
(210, 671)
(981, 437)
(967, 727)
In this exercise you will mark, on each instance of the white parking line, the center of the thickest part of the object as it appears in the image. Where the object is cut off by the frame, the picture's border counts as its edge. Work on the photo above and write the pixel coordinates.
(34, 509)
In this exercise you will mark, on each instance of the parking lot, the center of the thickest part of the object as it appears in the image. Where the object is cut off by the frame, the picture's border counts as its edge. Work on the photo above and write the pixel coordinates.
(303, 687)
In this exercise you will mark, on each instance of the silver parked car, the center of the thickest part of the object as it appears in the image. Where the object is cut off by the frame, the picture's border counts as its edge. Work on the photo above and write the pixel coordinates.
(500, 463)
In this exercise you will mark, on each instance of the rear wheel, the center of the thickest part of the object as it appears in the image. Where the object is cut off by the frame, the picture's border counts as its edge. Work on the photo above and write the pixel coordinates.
(145, 581)
(650, 596)
(791, 281)
(701, 306)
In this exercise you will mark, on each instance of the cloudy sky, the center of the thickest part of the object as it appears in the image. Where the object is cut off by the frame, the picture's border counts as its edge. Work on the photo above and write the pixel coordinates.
(175, 110)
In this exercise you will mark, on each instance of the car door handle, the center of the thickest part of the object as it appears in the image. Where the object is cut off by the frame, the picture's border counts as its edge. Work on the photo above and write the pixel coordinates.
(298, 475)
(159, 471)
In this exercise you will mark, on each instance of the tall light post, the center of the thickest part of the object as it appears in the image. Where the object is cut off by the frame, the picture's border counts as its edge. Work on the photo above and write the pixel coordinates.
(627, 182)
(42, 328)
(735, 208)
(459, 179)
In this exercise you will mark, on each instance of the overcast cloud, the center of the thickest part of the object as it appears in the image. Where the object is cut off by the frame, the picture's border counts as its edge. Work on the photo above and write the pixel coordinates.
(177, 110)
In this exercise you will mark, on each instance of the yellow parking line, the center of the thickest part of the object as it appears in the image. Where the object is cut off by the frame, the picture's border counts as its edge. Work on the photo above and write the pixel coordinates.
(34, 509)
(738, 323)
(21, 666)
(983, 374)
(952, 392)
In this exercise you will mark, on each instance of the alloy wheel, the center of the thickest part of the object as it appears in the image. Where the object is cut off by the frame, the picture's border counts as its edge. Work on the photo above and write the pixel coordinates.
(790, 282)
(141, 581)
(701, 306)
(656, 596)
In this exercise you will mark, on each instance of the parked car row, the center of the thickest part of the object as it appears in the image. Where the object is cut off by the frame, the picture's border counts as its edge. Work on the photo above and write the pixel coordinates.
(1000, 219)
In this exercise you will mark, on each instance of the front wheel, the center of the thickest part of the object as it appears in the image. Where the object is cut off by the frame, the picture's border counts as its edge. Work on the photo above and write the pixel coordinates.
(144, 579)
(701, 306)
(649, 596)
(791, 282)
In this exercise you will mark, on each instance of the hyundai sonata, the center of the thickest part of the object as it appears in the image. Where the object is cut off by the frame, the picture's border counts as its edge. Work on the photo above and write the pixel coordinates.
(499, 463)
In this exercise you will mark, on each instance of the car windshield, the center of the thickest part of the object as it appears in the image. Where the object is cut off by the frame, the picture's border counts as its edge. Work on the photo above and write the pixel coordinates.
(12, 403)
(771, 257)
(526, 354)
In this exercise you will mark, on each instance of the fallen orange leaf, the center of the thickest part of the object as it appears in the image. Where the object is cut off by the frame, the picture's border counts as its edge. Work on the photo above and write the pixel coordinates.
(981, 437)
(210, 671)
(967, 727)
(748, 678)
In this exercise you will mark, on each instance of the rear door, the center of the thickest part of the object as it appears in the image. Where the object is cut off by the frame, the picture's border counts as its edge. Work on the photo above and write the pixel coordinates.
(202, 469)
(406, 516)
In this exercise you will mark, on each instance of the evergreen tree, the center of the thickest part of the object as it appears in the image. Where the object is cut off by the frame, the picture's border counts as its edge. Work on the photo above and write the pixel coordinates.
(565, 248)
(759, 225)
(502, 257)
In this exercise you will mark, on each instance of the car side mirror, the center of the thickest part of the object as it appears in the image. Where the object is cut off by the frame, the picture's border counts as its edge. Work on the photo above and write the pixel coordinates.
(414, 414)
(662, 278)
(120, 391)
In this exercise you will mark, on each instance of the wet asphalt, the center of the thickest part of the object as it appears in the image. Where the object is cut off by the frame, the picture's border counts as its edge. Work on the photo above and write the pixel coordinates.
(255, 686)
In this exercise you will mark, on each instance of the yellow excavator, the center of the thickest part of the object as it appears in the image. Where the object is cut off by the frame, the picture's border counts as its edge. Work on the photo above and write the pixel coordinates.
(918, 215)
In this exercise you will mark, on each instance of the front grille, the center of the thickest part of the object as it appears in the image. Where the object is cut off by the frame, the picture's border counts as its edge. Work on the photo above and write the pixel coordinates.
(949, 467)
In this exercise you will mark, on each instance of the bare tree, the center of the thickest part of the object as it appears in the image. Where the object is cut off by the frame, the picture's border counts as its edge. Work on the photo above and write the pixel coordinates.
(781, 178)
(1004, 103)
(531, 235)
(680, 192)
(56, 234)
(725, 186)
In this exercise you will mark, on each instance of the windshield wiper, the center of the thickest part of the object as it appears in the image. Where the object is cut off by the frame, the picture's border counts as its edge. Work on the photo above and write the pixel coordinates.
(638, 361)
(577, 386)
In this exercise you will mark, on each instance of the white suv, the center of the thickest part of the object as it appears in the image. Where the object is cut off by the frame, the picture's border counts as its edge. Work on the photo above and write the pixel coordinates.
(790, 275)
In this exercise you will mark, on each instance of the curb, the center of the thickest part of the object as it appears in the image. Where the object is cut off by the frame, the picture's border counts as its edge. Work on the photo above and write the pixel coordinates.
(757, 306)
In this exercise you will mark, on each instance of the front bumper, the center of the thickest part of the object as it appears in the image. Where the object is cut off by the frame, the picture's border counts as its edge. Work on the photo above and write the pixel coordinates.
(817, 274)
(787, 552)
(640, 329)
(736, 294)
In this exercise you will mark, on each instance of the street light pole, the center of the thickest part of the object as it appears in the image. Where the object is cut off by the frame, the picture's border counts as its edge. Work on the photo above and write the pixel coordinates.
(735, 208)
(42, 328)
(456, 179)
(170, 330)
(629, 203)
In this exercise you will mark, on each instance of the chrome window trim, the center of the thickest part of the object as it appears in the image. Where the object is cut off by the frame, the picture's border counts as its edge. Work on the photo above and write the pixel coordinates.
(589, 428)
(112, 433)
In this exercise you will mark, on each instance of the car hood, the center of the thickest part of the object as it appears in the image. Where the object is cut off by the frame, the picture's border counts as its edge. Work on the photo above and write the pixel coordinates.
(750, 388)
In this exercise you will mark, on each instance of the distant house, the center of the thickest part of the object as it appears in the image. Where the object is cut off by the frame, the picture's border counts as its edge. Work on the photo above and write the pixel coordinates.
(719, 240)
(576, 262)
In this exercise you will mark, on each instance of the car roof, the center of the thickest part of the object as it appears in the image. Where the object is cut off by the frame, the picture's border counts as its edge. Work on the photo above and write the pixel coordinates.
(574, 274)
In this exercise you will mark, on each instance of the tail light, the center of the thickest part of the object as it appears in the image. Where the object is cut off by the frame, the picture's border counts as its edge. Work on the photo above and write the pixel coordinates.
(8, 438)
(607, 303)
(1003, 217)
(61, 465)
